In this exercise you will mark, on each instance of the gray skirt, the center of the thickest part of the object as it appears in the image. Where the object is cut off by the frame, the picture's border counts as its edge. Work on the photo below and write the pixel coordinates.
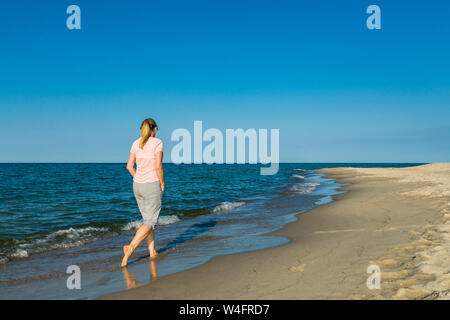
(148, 197)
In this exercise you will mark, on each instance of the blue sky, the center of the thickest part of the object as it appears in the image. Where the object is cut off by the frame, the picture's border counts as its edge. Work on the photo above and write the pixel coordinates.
(337, 91)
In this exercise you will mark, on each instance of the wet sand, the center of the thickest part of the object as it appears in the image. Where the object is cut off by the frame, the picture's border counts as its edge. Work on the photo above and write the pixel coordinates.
(395, 218)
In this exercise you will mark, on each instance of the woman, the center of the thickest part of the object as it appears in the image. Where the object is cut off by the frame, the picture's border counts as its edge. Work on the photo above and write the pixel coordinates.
(148, 185)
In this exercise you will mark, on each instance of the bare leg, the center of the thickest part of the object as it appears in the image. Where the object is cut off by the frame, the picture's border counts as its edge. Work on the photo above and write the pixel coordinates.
(141, 234)
(151, 244)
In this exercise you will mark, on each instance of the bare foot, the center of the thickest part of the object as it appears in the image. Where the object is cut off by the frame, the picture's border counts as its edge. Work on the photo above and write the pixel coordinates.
(154, 255)
(125, 258)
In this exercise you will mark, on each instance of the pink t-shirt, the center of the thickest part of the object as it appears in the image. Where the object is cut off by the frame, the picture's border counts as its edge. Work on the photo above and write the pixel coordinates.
(146, 160)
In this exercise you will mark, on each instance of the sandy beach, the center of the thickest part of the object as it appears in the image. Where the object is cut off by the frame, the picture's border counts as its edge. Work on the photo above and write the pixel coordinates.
(397, 219)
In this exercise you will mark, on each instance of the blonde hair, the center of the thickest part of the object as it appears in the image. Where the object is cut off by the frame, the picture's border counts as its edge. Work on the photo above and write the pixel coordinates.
(147, 127)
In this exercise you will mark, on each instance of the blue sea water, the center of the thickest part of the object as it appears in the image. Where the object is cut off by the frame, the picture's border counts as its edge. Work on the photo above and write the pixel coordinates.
(56, 215)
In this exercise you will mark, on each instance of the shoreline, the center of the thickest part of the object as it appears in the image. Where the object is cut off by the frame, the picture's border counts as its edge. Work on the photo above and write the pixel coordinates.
(375, 221)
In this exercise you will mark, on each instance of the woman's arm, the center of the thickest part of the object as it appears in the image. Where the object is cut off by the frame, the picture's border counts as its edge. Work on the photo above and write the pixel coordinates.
(159, 169)
(130, 164)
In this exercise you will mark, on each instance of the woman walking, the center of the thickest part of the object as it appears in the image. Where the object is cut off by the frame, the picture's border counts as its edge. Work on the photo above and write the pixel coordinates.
(148, 185)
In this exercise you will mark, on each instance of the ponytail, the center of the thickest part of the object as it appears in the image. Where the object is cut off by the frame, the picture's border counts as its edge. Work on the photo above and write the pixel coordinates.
(147, 127)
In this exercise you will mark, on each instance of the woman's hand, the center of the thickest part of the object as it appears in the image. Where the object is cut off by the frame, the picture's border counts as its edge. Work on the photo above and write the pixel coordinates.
(163, 187)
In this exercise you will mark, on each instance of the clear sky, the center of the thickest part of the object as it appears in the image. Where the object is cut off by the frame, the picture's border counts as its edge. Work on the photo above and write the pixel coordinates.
(337, 91)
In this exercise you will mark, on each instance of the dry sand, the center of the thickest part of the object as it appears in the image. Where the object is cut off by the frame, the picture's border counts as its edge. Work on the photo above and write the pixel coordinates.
(395, 218)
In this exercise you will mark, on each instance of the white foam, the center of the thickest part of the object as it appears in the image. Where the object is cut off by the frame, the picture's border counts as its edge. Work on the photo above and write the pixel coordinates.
(298, 176)
(20, 253)
(306, 187)
(228, 206)
(72, 233)
(133, 225)
(60, 239)
(162, 221)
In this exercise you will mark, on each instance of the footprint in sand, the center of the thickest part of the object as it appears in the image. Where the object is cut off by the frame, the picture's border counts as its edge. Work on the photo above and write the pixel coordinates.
(299, 268)
(395, 275)
(388, 263)
(410, 293)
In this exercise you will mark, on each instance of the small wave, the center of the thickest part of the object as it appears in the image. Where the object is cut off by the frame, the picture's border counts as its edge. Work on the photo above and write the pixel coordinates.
(72, 233)
(133, 225)
(61, 239)
(306, 187)
(228, 206)
(162, 221)
(298, 176)
(20, 253)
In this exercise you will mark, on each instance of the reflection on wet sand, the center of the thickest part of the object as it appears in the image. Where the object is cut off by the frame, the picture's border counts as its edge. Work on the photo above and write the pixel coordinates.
(130, 278)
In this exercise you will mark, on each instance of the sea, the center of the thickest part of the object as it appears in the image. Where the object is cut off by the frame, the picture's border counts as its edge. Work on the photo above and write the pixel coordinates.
(60, 220)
